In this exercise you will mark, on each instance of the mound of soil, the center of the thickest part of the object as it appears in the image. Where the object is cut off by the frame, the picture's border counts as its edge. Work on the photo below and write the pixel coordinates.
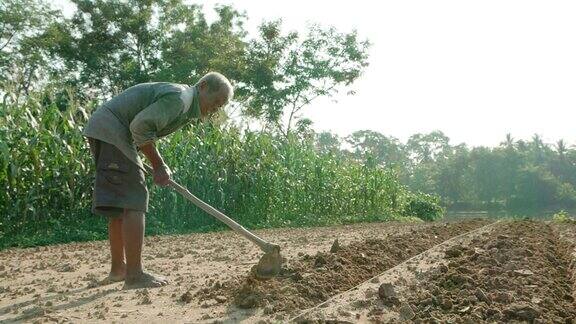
(312, 279)
(567, 233)
(520, 273)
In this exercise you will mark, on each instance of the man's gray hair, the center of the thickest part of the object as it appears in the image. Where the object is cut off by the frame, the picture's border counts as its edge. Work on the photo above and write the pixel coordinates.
(216, 82)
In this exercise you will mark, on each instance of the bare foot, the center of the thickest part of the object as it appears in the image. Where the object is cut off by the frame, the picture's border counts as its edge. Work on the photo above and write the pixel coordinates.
(144, 280)
(117, 274)
(112, 278)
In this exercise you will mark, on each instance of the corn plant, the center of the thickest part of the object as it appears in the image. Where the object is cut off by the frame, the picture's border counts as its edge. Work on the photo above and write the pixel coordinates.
(258, 178)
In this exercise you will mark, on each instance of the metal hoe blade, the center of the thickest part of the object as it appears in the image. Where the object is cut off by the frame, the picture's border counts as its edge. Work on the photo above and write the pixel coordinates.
(269, 265)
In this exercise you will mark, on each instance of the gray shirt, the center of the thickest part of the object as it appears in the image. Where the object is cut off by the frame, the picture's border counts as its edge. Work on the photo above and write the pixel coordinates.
(142, 114)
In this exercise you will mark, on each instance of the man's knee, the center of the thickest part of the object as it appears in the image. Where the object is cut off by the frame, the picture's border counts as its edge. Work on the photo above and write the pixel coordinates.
(133, 214)
(115, 221)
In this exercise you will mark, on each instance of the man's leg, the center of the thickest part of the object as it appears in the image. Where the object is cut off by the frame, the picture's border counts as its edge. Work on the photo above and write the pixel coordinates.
(133, 232)
(118, 271)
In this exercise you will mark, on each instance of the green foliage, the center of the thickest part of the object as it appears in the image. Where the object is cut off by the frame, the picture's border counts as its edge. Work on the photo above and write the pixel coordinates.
(387, 151)
(425, 148)
(52, 68)
(108, 46)
(563, 217)
(520, 177)
(43, 160)
(261, 179)
(288, 71)
(272, 180)
(410, 219)
(23, 62)
(423, 206)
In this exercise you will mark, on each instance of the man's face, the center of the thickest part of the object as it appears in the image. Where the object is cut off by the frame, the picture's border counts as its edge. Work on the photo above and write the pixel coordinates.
(210, 103)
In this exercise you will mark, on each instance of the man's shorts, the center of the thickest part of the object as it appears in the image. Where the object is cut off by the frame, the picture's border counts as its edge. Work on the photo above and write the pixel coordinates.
(119, 182)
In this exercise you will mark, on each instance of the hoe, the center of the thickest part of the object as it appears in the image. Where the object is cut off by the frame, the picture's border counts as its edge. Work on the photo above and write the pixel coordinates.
(269, 264)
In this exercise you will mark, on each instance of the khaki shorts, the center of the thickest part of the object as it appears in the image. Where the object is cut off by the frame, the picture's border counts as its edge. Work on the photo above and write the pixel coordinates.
(119, 182)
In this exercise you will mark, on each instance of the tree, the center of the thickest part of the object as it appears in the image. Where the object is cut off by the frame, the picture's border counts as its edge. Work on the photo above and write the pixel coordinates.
(538, 151)
(288, 71)
(108, 46)
(509, 142)
(536, 188)
(561, 149)
(488, 173)
(327, 142)
(198, 47)
(560, 164)
(452, 176)
(386, 151)
(425, 148)
(22, 59)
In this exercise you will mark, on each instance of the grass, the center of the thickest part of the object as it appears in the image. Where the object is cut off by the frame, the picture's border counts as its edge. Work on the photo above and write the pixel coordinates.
(563, 217)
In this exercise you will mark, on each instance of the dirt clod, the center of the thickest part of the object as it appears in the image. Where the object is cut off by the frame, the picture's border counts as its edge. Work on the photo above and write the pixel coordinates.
(406, 312)
(454, 252)
(522, 312)
(523, 272)
(186, 297)
(481, 295)
(335, 246)
(387, 294)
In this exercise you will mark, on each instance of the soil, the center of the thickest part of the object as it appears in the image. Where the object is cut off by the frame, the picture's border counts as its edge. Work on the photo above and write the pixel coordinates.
(464, 271)
(60, 283)
(310, 279)
(520, 271)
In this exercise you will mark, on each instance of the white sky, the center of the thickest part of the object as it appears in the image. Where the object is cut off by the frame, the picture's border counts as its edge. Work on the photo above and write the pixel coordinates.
(475, 70)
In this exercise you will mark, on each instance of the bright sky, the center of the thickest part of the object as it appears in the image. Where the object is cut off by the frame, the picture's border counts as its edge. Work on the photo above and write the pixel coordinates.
(475, 70)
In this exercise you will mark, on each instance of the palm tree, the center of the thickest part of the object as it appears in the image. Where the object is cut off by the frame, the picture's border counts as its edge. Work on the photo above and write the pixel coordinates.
(561, 148)
(537, 141)
(509, 142)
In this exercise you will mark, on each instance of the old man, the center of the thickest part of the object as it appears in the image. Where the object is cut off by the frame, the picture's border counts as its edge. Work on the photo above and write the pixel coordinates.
(132, 121)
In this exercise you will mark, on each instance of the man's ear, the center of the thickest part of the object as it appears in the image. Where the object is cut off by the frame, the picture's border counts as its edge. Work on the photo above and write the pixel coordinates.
(203, 85)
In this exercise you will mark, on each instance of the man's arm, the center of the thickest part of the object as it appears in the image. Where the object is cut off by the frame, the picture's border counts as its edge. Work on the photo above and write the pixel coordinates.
(157, 116)
(144, 127)
(161, 173)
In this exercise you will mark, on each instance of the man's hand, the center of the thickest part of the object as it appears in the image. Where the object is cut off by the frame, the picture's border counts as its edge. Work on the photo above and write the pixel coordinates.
(162, 175)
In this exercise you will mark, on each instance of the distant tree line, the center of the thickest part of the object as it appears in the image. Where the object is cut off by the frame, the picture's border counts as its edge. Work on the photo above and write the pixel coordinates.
(520, 176)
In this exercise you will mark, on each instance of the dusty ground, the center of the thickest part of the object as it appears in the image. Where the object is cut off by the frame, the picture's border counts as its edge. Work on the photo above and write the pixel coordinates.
(59, 283)
(211, 281)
